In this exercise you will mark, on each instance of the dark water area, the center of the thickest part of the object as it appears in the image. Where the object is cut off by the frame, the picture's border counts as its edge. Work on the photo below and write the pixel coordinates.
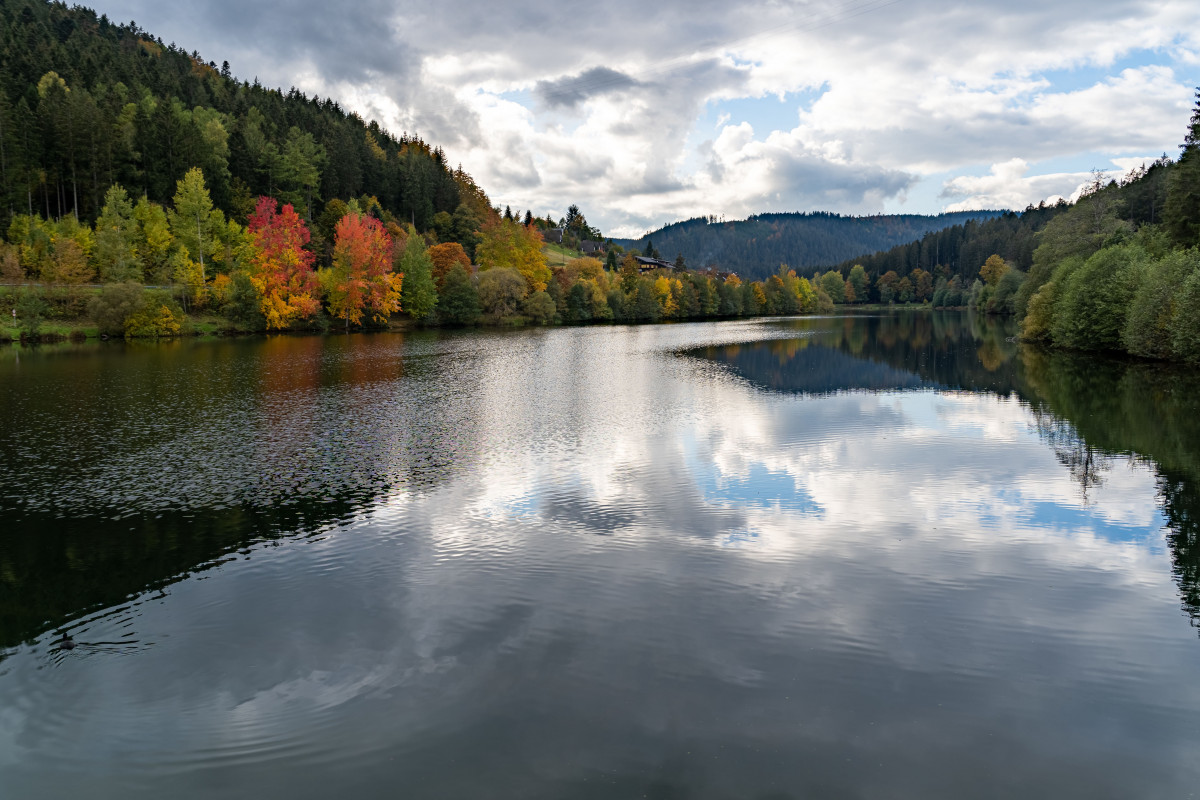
(897, 556)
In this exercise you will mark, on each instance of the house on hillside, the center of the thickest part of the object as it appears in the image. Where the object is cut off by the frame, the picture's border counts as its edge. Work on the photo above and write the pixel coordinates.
(552, 235)
(592, 248)
(649, 264)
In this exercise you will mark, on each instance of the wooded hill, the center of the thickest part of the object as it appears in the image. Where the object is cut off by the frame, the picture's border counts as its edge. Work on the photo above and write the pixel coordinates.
(755, 247)
(961, 249)
(86, 103)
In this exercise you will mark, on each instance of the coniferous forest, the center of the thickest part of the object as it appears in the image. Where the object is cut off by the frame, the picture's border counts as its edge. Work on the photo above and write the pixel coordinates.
(86, 103)
(755, 247)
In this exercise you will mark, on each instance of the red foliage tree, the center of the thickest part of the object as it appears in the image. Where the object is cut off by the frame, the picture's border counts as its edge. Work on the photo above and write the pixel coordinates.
(281, 269)
(362, 277)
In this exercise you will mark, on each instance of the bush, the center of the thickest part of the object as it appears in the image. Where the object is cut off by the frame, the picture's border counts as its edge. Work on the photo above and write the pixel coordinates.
(1004, 301)
(500, 292)
(1185, 328)
(539, 308)
(1149, 326)
(243, 305)
(159, 316)
(1039, 315)
(31, 312)
(458, 302)
(114, 304)
(1091, 311)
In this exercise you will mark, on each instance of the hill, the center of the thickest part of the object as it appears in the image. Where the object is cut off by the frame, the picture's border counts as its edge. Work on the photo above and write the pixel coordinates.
(754, 248)
(86, 103)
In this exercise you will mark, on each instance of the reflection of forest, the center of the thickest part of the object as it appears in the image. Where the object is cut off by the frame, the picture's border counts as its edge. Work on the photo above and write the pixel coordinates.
(1087, 408)
(195, 452)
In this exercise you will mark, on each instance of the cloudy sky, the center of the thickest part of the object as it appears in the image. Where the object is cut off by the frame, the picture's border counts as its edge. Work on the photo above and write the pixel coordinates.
(648, 113)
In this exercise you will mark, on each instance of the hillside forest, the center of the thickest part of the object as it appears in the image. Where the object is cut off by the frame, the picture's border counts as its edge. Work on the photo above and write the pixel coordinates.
(1118, 270)
(754, 247)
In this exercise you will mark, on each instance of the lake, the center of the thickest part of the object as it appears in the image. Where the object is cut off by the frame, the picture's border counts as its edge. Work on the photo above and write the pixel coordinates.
(896, 556)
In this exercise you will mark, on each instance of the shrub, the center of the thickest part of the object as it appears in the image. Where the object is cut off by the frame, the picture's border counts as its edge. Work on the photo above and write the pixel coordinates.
(114, 304)
(31, 312)
(458, 302)
(500, 292)
(539, 308)
(1149, 326)
(1091, 311)
(1185, 328)
(158, 316)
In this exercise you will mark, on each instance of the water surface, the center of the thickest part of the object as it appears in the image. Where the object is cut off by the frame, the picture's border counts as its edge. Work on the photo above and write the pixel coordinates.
(876, 557)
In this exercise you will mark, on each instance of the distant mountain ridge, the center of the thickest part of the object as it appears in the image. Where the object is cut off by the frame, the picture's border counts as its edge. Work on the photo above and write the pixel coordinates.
(755, 247)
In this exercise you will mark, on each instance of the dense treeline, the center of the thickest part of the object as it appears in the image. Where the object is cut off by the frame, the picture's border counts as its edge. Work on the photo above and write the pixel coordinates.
(86, 103)
(1118, 270)
(959, 250)
(1121, 269)
(265, 276)
(754, 247)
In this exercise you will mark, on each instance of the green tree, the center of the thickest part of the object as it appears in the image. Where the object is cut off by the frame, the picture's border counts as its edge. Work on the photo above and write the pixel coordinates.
(858, 280)
(194, 221)
(1150, 325)
(300, 169)
(834, 286)
(418, 294)
(539, 308)
(458, 301)
(116, 252)
(1185, 326)
(1182, 211)
(1091, 311)
(500, 292)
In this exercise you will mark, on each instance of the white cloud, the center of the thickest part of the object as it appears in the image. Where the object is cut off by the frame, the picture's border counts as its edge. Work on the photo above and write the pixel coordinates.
(906, 91)
(1009, 185)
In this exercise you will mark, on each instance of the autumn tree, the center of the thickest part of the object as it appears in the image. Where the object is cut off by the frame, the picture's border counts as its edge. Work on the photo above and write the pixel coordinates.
(68, 265)
(993, 270)
(922, 282)
(153, 241)
(505, 243)
(194, 222)
(887, 285)
(500, 292)
(444, 256)
(280, 268)
(361, 279)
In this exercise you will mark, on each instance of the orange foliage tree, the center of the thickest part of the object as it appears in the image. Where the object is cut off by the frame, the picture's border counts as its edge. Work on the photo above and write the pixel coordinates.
(280, 268)
(362, 279)
(444, 257)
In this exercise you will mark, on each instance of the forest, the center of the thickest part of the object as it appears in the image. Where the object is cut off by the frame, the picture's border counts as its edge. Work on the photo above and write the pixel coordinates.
(1118, 270)
(146, 192)
(754, 247)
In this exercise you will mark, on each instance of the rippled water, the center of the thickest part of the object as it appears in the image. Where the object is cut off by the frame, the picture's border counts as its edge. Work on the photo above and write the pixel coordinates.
(897, 557)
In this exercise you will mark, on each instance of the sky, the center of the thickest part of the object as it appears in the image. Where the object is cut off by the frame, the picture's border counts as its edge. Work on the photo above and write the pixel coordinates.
(645, 114)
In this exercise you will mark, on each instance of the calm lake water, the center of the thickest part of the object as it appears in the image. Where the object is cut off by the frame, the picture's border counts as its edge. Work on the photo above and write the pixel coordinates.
(866, 557)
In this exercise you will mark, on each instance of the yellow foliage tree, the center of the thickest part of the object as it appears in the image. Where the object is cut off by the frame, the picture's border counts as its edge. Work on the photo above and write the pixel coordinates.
(504, 243)
(662, 293)
(993, 270)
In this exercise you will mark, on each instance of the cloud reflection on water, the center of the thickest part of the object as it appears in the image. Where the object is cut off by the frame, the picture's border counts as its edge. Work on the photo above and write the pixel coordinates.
(921, 599)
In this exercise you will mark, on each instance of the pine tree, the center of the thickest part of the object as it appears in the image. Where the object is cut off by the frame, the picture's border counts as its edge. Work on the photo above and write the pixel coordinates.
(1182, 210)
